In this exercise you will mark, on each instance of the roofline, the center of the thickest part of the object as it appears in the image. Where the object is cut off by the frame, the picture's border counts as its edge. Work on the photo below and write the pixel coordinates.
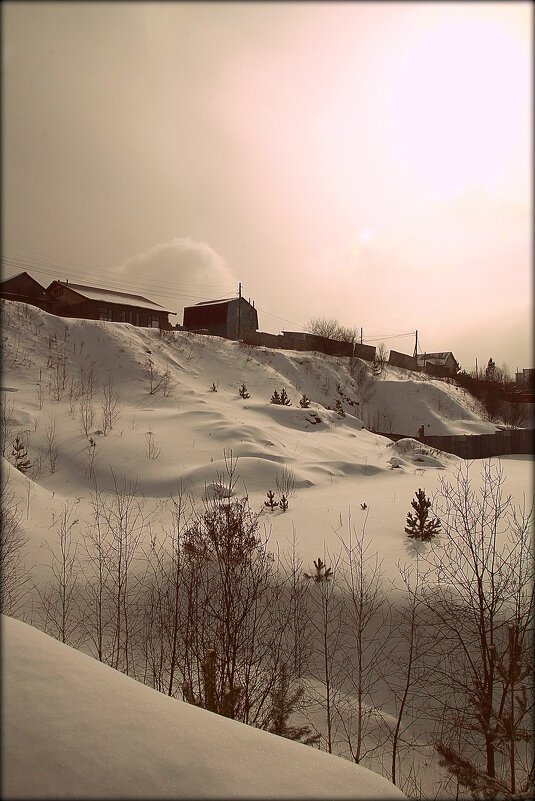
(112, 291)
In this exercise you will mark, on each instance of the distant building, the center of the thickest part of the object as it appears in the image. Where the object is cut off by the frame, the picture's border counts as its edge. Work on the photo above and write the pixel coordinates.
(438, 364)
(24, 288)
(222, 317)
(95, 303)
(526, 378)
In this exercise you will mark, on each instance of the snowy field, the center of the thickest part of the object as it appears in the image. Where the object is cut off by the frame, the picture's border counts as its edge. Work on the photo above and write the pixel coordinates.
(74, 727)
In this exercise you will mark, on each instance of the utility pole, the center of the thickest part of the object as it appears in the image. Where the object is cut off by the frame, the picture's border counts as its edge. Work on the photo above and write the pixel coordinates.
(416, 345)
(239, 310)
(477, 374)
(361, 335)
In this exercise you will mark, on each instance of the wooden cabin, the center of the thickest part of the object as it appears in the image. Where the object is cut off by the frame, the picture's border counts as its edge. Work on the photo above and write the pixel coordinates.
(95, 303)
(442, 364)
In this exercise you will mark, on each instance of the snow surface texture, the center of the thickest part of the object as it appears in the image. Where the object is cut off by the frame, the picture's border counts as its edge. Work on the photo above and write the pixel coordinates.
(75, 728)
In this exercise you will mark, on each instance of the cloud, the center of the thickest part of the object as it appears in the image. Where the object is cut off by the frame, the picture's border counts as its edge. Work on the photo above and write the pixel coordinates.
(179, 273)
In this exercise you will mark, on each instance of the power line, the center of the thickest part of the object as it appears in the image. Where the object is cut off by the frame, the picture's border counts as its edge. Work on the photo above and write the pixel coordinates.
(116, 281)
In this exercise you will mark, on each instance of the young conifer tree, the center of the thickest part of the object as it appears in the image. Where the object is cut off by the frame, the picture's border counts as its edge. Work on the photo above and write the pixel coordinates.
(419, 527)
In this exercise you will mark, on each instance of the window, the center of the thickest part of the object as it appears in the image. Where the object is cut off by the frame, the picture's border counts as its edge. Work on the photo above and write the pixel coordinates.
(154, 321)
(105, 314)
(121, 316)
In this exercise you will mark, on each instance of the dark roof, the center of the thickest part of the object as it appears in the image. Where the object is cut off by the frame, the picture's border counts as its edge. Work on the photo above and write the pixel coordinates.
(114, 296)
(435, 358)
(215, 302)
(18, 275)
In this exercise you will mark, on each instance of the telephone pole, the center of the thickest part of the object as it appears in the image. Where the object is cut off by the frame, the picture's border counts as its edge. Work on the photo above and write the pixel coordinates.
(239, 310)
(416, 345)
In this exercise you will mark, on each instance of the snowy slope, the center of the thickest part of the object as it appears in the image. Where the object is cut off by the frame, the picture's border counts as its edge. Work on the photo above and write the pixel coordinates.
(338, 467)
(75, 728)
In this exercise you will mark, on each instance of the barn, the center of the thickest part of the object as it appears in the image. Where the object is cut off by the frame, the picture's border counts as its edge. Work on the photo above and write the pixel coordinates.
(94, 303)
(24, 288)
(227, 317)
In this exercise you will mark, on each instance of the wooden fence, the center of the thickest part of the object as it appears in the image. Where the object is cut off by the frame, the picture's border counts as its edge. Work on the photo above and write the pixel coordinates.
(478, 446)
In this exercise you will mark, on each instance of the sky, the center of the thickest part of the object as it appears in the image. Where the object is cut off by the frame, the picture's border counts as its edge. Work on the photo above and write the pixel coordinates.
(369, 162)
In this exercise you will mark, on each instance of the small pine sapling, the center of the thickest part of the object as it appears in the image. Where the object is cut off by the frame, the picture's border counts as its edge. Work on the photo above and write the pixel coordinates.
(418, 526)
(243, 391)
(20, 454)
(304, 403)
(323, 573)
(284, 399)
(283, 503)
(339, 409)
(213, 388)
(271, 503)
(275, 398)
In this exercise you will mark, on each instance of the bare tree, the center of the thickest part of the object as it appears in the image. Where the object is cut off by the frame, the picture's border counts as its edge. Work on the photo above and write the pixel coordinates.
(60, 598)
(332, 329)
(326, 625)
(479, 591)
(15, 581)
(365, 615)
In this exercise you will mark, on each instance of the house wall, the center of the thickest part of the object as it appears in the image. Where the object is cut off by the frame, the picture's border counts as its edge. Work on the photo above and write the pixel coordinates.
(247, 314)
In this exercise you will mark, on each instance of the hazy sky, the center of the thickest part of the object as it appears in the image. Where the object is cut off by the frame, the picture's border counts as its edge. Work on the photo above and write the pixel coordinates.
(369, 162)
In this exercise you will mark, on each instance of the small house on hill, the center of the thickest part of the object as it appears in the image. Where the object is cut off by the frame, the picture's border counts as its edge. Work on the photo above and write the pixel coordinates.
(94, 303)
(24, 288)
(228, 317)
(439, 364)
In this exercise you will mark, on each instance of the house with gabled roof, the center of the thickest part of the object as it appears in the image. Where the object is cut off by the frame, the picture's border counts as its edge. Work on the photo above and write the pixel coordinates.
(97, 303)
(22, 287)
(226, 317)
(441, 364)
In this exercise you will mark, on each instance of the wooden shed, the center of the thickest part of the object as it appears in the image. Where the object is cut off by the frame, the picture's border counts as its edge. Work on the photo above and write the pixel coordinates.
(24, 288)
(228, 317)
(95, 303)
(440, 364)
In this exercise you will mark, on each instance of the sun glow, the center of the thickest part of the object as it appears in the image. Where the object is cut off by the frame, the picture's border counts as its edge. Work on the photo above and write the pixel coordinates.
(458, 107)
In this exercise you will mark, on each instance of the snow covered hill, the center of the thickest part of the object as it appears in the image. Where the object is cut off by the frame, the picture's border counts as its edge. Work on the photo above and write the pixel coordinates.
(97, 402)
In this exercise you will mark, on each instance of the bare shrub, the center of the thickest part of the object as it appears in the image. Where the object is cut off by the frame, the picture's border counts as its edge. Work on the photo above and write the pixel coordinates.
(152, 448)
(285, 482)
(109, 403)
(87, 413)
(7, 421)
(52, 444)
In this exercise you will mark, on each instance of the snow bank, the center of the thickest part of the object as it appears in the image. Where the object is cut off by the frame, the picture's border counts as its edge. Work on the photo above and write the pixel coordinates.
(75, 728)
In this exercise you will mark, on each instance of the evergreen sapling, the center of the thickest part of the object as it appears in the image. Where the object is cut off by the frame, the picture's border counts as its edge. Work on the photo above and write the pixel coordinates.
(419, 527)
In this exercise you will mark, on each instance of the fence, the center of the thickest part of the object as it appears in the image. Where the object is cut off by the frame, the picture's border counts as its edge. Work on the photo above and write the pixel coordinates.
(478, 446)
(309, 342)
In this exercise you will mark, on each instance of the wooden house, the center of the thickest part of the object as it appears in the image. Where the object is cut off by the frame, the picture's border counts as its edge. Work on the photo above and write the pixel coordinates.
(94, 303)
(442, 364)
(228, 317)
(24, 288)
